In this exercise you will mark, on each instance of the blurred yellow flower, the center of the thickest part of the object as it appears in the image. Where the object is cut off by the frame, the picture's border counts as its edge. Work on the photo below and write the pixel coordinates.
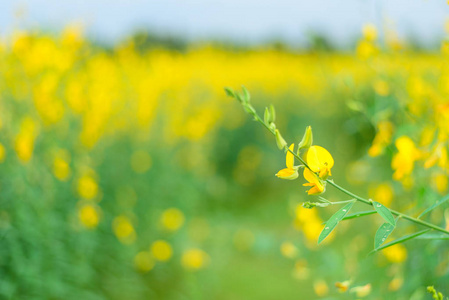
(61, 167)
(396, 253)
(382, 193)
(161, 250)
(291, 172)
(403, 161)
(2, 153)
(343, 286)
(313, 181)
(172, 219)
(289, 250)
(301, 271)
(320, 161)
(194, 259)
(24, 142)
(438, 155)
(440, 182)
(143, 261)
(141, 161)
(124, 230)
(361, 291)
(87, 187)
(382, 138)
(308, 221)
(320, 287)
(396, 283)
(89, 215)
(381, 87)
(369, 32)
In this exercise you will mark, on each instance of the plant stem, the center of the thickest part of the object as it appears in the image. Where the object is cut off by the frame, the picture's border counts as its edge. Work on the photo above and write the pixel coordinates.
(358, 198)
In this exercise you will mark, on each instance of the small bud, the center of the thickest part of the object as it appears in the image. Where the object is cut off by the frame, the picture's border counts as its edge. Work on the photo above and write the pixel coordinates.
(280, 140)
(272, 113)
(309, 205)
(307, 139)
(272, 126)
(246, 95)
(230, 92)
(266, 116)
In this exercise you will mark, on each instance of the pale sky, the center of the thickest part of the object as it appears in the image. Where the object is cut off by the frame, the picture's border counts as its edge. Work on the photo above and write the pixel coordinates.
(240, 20)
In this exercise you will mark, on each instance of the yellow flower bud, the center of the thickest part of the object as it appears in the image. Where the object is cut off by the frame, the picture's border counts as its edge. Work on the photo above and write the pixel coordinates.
(307, 139)
(281, 143)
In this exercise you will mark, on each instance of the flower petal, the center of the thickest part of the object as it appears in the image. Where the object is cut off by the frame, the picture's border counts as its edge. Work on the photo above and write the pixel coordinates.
(287, 173)
(318, 158)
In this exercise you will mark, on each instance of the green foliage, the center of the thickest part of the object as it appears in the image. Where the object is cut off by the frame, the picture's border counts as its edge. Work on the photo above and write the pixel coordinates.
(384, 213)
(333, 221)
(382, 234)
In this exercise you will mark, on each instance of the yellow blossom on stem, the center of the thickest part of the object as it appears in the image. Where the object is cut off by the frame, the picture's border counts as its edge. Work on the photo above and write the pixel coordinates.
(291, 172)
(314, 181)
(404, 160)
(320, 161)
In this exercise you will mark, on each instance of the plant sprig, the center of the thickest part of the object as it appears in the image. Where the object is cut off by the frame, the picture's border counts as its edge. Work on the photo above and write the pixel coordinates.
(387, 214)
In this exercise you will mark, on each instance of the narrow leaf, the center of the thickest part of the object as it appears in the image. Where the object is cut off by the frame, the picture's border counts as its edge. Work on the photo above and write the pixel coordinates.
(382, 233)
(384, 212)
(436, 204)
(400, 240)
(434, 236)
(333, 221)
(359, 214)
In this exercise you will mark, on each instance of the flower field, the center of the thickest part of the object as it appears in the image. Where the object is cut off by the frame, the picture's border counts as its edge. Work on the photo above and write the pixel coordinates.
(127, 173)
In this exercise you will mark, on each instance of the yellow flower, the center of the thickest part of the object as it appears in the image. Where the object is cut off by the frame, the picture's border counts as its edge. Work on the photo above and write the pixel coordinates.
(404, 160)
(369, 32)
(87, 187)
(2, 153)
(314, 181)
(362, 291)
(143, 261)
(291, 172)
(396, 253)
(194, 259)
(320, 161)
(161, 250)
(289, 250)
(320, 287)
(124, 230)
(172, 219)
(89, 216)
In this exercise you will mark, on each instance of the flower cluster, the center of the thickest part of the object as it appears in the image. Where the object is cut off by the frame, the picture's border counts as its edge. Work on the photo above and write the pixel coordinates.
(317, 166)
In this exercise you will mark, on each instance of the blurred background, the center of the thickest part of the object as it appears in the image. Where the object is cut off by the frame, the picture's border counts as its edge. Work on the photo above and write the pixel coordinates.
(126, 172)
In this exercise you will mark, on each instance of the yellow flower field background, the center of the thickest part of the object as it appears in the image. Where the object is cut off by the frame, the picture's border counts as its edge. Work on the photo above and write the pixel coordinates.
(126, 172)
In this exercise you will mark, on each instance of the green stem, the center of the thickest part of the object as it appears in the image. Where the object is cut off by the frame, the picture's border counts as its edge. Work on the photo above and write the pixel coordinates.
(365, 201)
(401, 215)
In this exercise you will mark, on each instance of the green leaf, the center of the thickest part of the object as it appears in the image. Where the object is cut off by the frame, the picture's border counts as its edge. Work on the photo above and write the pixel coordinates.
(359, 214)
(333, 221)
(382, 233)
(400, 240)
(441, 201)
(384, 212)
(230, 92)
(434, 236)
